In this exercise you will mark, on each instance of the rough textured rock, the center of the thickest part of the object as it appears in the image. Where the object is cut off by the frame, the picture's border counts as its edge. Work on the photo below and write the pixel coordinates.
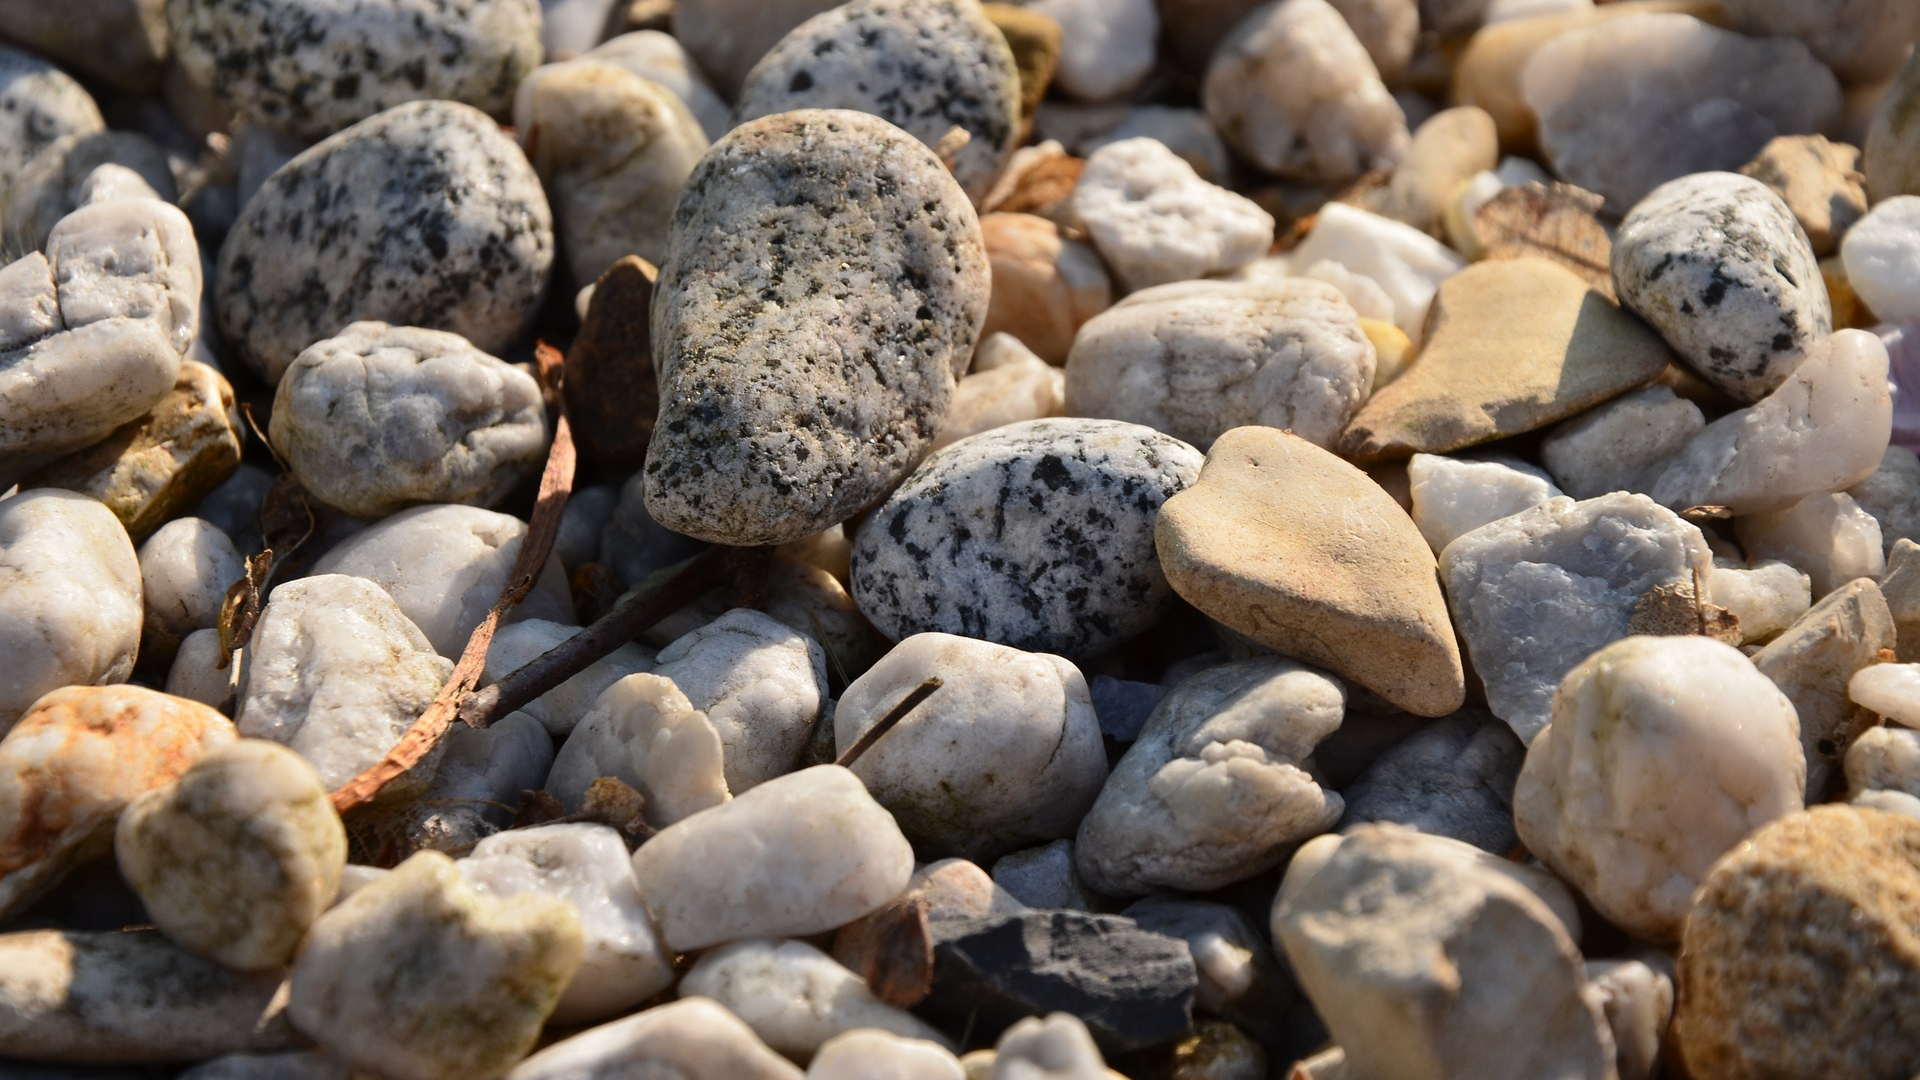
(1819, 181)
(778, 422)
(1155, 221)
(609, 388)
(41, 104)
(1453, 778)
(1305, 554)
(1806, 927)
(1718, 264)
(432, 181)
(1218, 787)
(1617, 446)
(60, 179)
(312, 67)
(794, 996)
(690, 1037)
(1812, 662)
(1045, 286)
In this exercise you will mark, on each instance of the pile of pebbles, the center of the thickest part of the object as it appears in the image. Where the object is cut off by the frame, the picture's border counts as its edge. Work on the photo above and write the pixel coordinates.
(1169, 539)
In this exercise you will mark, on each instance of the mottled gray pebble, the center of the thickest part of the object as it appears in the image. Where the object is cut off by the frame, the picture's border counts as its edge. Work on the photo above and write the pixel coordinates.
(48, 188)
(39, 103)
(1453, 777)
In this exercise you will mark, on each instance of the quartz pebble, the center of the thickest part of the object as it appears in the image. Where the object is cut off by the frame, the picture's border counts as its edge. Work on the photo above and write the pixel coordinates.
(1155, 221)
(1621, 444)
(1454, 496)
(1055, 1047)
(202, 671)
(41, 104)
(1636, 995)
(644, 732)
(690, 1037)
(1045, 286)
(1892, 690)
(1406, 264)
(1766, 596)
(1108, 48)
(1826, 535)
(1813, 661)
(760, 683)
(1884, 760)
(562, 707)
(1447, 150)
(871, 1054)
(795, 997)
(1023, 388)
(1881, 254)
(236, 858)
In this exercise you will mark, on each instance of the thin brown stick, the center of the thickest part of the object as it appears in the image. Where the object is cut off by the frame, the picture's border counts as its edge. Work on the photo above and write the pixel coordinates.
(888, 722)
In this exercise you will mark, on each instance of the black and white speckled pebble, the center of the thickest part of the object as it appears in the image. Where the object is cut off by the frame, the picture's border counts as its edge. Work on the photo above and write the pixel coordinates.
(1037, 535)
(1717, 263)
(311, 67)
(927, 66)
(425, 215)
(39, 103)
(824, 283)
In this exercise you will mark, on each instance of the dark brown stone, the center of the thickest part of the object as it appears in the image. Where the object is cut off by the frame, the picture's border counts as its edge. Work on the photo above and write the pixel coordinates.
(609, 386)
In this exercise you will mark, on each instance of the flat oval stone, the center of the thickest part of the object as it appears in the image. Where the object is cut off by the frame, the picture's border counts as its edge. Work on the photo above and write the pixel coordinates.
(312, 67)
(1037, 535)
(795, 388)
(424, 215)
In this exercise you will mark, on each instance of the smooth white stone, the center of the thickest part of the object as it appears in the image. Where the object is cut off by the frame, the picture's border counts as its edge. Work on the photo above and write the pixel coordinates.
(185, 568)
(868, 1054)
(692, 1037)
(197, 674)
(1622, 444)
(760, 683)
(1637, 997)
(1406, 263)
(1454, 496)
(1881, 255)
(1892, 690)
(1108, 48)
(1155, 221)
(658, 56)
(643, 732)
(1884, 759)
(1767, 597)
(795, 997)
(560, 708)
(1825, 534)
(1058, 1047)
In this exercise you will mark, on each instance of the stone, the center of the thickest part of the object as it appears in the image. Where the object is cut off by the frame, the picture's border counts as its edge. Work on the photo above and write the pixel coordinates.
(1454, 496)
(621, 962)
(1713, 750)
(1883, 760)
(1026, 388)
(311, 67)
(1195, 359)
(1538, 592)
(613, 150)
(236, 858)
(1636, 995)
(1878, 255)
(635, 546)
(41, 104)
(563, 707)
(1892, 495)
(1438, 964)
(1620, 444)
(798, 855)
(1107, 49)
(1036, 535)
(128, 997)
(868, 1054)
(1155, 221)
(736, 457)
(235, 504)
(589, 510)
(1294, 90)
(1302, 552)
(807, 600)
(727, 37)
(1056, 1047)
(55, 182)
(1767, 597)
(1189, 133)
(444, 566)
(659, 56)
(795, 997)
(1891, 147)
(1045, 286)
(1596, 86)
(643, 732)
(1889, 690)
(1045, 876)
(1562, 347)
(290, 1065)
(1035, 41)
(689, 1037)
(1123, 705)
(436, 180)
(1901, 590)
(924, 66)
(335, 670)
(1240, 978)
(1863, 41)
(1845, 880)
(1132, 987)
(197, 674)
(1813, 660)
(70, 584)
(477, 784)
(1405, 264)
(1824, 429)
(762, 685)
(379, 418)
(1541, 217)
(1717, 263)
(1224, 750)
(121, 42)
(1446, 152)
(1453, 777)
(1006, 753)
(418, 976)
(149, 468)
(1820, 182)
(1826, 535)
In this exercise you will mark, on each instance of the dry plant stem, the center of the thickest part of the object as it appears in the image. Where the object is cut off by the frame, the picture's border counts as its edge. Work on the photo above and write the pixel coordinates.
(888, 722)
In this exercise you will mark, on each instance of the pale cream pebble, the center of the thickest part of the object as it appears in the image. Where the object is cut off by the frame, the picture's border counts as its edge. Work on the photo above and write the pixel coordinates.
(1006, 394)
(1826, 534)
(1155, 221)
(202, 671)
(1892, 690)
(871, 1054)
(1766, 596)
(795, 997)
(692, 1037)
(1407, 264)
(643, 732)
(659, 56)
(761, 685)
(185, 569)
(1454, 496)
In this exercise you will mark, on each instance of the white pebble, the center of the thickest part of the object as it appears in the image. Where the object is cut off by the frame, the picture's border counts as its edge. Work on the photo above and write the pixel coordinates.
(1156, 221)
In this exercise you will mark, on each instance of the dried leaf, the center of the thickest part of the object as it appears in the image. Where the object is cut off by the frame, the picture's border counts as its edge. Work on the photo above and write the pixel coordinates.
(538, 808)
(1038, 189)
(1674, 609)
(1554, 221)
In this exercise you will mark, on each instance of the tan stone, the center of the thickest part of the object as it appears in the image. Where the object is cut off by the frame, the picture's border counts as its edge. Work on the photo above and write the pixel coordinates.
(1820, 182)
(1446, 152)
(1801, 957)
(1044, 285)
(1035, 40)
(1392, 350)
(1512, 346)
(150, 468)
(1289, 545)
(1558, 222)
(1813, 660)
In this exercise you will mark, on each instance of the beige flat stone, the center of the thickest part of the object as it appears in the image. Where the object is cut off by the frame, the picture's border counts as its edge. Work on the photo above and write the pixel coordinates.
(1304, 553)
(1512, 345)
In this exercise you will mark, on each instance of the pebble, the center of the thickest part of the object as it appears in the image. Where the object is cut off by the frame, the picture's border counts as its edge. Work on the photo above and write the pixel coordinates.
(62, 178)
(633, 545)
(622, 962)
(1721, 97)
(1225, 749)
(869, 1054)
(128, 997)
(1035, 40)
(1824, 429)
(1718, 264)
(613, 150)
(1892, 495)
(1055, 1047)
(795, 997)
(799, 855)
(1156, 221)
(1636, 994)
(1036, 535)
(70, 584)
(1108, 46)
(434, 181)
(925, 66)
(1405, 264)
(379, 418)
(1294, 90)
(643, 732)
(562, 707)
(1883, 760)
(1891, 146)
(1879, 254)
(336, 671)
(197, 674)
(1454, 496)
(1428, 974)
(1453, 777)
(1845, 879)
(760, 683)
(689, 1037)
(1304, 553)
(1559, 348)
(1024, 387)
(185, 568)
(1820, 182)
(804, 598)
(1767, 597)
(1621, 444)
(1537, 593)
(73, 762)
(477, 784)
(1447, 151)
(1045, 286)
(1006, 753)
(727, 37)
(1189, 133)
(1889, 690)
(1241, 979)
(418, 976)
(1197, 358)
(1713, 750)
(444, 566)
(312, 67)
(291, 1065)
(121, 42)
(1045, 876)
(40, 104)
(1813, 661)
(238, 857)
(1828, 536)
(736, 457)
(1863, 41)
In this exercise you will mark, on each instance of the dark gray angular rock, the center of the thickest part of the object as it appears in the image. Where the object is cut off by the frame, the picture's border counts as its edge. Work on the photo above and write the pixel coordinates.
(1454, 777)
(1134, 988)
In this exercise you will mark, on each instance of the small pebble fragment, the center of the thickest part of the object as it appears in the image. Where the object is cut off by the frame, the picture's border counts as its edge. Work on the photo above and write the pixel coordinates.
(1620, 444)
(1454, 496)
(1881, 254)
(1403, 262)
(1155, 221)
(1826, 535)
(1045, 286)
(871, 1054)
(795, 997)
(1767, 597)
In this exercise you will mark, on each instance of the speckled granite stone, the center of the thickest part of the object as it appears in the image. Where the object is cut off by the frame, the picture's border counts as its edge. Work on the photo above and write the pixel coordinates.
(38, 104)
